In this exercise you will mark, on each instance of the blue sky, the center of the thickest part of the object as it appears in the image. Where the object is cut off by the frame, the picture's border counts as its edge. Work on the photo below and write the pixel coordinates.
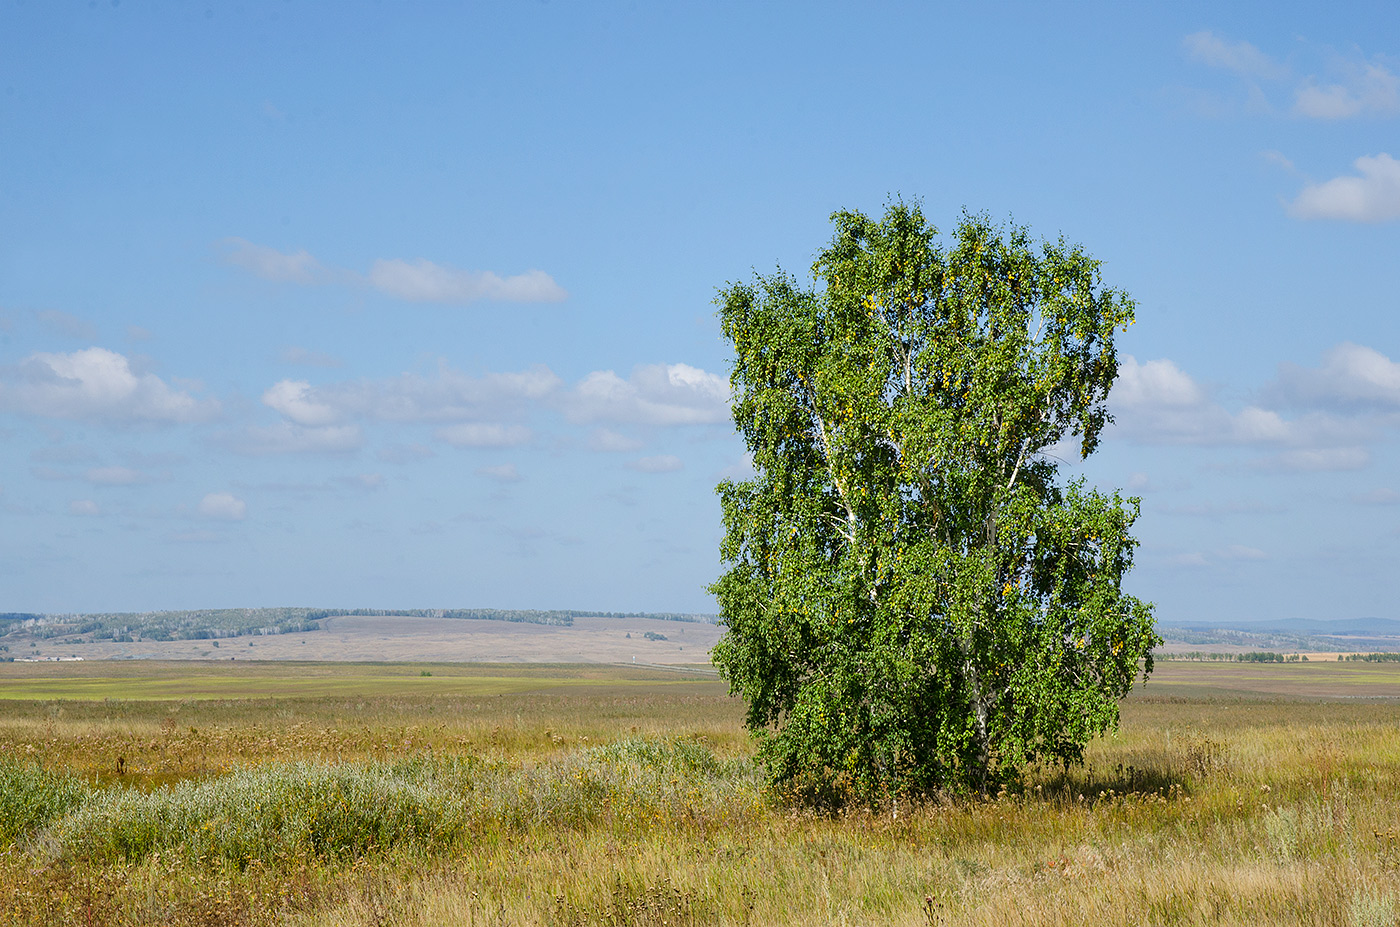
(411, 304)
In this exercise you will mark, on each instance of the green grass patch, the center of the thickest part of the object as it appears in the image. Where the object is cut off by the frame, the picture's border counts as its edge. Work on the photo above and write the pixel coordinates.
(31, 797)
(98, 681)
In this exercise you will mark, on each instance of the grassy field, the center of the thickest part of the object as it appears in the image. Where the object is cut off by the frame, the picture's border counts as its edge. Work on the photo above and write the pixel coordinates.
(314, 794)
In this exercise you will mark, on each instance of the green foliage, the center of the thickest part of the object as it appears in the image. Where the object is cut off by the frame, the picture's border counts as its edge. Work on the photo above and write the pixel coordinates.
(31, 797)
(913, 601)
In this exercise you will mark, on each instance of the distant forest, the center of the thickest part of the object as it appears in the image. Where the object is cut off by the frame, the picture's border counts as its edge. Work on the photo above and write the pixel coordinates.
(214, 623)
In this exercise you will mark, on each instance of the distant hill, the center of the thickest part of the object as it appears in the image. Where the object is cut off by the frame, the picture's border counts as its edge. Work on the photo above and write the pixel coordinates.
(1327, 627)
(1289, 634)
(219, 623)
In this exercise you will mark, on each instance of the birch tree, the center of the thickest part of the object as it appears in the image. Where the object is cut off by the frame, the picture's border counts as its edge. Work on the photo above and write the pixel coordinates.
(914, 599)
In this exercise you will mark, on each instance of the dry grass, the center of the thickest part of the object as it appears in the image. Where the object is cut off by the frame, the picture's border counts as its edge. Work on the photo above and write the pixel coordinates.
(579, 812)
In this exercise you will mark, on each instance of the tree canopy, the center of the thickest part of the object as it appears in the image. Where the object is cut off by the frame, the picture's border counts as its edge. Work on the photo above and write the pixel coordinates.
(914, 600)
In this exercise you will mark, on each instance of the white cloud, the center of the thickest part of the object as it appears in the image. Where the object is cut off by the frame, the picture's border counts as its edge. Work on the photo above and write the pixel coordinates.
(1193, 559)
(271, 264)
(293, 399)
(660, 463)
(224, 506)
(290, 438)
(84, 507)
(483, 435)
(1377, 497)
(1371, 89)
(1157, 382)
(1241, 57)
(1241, 552)
(502, 473)
(1351, 376)
(96, 385)
(422, 281)
(656, 394)
(448, 396)
(1160, 404)
(1373, 196)
(114, 476)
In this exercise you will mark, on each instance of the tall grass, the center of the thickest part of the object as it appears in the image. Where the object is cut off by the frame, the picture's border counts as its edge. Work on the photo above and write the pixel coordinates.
(282, 812)
(31, 797)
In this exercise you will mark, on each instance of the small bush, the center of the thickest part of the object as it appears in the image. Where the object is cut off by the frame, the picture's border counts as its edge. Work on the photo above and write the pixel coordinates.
(275, 812)
(31, 797)
(337, 812)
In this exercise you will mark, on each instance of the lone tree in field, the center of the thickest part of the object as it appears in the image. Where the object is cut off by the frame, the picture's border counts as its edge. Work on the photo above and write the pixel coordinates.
(913, 600)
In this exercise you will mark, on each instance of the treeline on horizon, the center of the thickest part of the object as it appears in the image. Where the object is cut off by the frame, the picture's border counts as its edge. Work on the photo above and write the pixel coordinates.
(214, 623)
(1274, 640)
(1271, 657)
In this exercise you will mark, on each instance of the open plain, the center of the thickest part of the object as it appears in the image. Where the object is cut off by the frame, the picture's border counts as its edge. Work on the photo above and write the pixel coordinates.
(313, 793)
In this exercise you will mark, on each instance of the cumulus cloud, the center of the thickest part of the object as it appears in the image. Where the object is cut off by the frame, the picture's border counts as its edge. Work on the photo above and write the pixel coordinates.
(656, 394)
(1160, 404)
(96, 385)
(502, 473)
(224, 506)
(114, 476)
(1241, 57)
(449, 395)
(294, 399)
(1371, 89)
(480, 434)
(271, 264)
(1351, 376)
(418, 280)
(1371, 195)
(1354, 86)
(660, 463)
(423, 281)
(84, 507)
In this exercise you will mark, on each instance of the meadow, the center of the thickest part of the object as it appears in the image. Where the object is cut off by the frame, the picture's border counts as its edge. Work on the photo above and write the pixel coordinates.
(318, 794)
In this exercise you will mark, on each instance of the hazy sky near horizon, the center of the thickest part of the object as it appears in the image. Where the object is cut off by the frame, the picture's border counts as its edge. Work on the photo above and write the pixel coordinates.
(410, 304)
